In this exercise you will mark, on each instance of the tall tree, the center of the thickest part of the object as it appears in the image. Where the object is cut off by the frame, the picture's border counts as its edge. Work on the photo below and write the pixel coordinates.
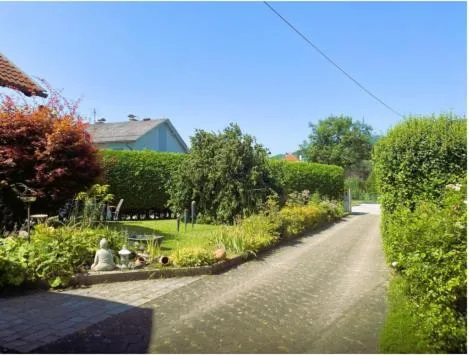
(340, 141)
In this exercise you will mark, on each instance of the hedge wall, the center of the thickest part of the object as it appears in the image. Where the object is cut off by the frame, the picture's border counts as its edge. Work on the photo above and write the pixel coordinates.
(327, 180)
(140, 177)
(418, 157)
(420, 169)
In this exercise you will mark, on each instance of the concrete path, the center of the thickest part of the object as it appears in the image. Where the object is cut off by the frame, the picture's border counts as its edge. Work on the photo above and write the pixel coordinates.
(319, 294)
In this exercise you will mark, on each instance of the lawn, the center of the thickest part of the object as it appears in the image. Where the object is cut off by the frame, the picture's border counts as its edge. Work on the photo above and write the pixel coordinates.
(201, 235)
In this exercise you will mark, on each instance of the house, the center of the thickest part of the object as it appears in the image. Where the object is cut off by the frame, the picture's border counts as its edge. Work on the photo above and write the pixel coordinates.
(291, 157)
(12, 77)
(153, 134)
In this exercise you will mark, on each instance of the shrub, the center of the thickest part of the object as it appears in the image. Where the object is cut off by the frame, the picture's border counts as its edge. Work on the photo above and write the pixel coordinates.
(249, 236)
(424, 224)
(140, 177)
(417, 158)
(47, 148)
(54, 254)
(429, 245)
(297, 219)
(192, 256)
(225, 173)
(327, 180)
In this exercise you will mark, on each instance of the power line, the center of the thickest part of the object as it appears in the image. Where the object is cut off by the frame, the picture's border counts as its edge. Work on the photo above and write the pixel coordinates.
(332, 62)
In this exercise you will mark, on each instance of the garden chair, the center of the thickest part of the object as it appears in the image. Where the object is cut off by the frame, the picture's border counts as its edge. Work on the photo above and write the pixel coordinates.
(115, 210)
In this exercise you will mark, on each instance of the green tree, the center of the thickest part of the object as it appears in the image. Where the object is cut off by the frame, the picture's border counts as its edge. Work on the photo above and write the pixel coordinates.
(340, 141)
(225, 173)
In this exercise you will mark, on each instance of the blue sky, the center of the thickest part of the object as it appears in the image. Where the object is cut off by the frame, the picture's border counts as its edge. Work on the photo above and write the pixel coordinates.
(204, 65)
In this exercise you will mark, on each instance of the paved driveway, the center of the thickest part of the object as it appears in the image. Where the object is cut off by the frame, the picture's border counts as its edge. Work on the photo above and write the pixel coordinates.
(320, 294)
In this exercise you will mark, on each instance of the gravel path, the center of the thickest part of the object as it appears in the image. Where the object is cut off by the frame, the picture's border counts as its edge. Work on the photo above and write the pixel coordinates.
(320, 294)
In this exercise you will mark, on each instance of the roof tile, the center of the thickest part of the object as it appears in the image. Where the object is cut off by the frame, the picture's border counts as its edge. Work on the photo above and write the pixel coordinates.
(12, 77)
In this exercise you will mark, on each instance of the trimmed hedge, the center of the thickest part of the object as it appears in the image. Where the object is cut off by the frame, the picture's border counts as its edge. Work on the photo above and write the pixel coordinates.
(140, 177)
(420, 169)
(327, 180)
(417, 158)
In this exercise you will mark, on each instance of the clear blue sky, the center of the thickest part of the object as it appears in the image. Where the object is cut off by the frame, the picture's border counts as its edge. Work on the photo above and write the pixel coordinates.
(204, 65)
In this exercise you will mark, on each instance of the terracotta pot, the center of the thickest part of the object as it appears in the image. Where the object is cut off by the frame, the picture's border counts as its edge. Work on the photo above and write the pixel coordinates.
(220, 254)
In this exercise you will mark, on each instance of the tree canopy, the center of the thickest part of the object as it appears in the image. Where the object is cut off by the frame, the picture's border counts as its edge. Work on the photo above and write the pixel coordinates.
(226, 173)
(340, 141)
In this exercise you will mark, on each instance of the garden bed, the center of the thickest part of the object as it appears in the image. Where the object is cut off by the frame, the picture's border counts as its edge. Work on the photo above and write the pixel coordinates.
(92, 278)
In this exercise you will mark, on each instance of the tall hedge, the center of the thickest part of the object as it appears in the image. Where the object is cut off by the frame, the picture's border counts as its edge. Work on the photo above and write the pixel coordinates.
(418, 157)
(420, 169)
(140, 177)
(327, 180)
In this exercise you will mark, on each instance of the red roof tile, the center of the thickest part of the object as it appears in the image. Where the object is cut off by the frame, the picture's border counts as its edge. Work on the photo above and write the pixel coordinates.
(12, 77)
(291, 157)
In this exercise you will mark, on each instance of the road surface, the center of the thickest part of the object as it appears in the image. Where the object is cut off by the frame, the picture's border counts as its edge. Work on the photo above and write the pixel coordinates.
(324, 293)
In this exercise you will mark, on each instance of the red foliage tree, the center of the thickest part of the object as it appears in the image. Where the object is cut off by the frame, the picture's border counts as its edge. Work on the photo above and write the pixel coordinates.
(47, 148)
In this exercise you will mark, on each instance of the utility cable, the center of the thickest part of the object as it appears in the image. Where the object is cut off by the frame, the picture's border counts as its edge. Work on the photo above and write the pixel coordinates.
(332, 62)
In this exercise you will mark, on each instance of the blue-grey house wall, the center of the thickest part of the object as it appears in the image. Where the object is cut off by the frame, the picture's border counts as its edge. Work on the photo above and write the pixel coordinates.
(160, 139)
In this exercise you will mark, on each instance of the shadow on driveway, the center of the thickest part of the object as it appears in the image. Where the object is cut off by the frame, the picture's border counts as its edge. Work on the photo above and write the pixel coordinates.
(54, 322)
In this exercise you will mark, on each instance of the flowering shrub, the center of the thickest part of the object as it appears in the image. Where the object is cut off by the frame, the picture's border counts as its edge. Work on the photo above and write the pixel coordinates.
(47, 148)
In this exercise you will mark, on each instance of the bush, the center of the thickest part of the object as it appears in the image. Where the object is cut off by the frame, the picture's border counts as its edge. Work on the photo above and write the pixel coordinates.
(429, 245)
(248, 236)
(225, 174)
(327, 180)
(417, 158)
(192, 256)
(47, 148)
(140, 178)
(424, 224)
(54, 254)
(259, 231)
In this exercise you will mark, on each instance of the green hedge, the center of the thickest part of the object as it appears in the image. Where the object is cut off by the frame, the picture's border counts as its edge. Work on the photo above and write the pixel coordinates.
(420, 169)
(418, 157)
(140, 177)
(327, 180)
(429, 245)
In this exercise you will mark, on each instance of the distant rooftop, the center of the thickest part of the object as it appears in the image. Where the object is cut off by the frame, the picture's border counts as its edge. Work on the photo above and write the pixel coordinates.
(128, 131)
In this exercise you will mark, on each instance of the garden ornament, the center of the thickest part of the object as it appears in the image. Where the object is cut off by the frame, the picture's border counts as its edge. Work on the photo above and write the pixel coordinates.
(103, 260)
(124, 254)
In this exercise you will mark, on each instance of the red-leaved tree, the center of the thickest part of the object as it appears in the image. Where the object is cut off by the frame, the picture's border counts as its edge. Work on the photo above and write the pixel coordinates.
(47, 148)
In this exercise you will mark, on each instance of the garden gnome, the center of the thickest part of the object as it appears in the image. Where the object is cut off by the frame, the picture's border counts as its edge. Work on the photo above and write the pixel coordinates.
(103, 260)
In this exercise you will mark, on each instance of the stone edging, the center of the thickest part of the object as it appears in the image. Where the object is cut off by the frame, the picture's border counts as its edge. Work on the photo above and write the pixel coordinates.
(133, 275)
(166, 272)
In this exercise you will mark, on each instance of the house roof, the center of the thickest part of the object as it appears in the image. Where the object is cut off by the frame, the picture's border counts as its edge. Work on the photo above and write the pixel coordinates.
(291, 157)
(129, 131)
(14, 78)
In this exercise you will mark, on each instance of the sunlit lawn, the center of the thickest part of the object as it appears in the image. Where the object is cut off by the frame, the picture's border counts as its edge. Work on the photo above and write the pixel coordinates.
(201, 235)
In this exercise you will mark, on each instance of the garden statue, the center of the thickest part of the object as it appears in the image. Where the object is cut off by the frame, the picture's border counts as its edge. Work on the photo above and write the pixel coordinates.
(103, 260)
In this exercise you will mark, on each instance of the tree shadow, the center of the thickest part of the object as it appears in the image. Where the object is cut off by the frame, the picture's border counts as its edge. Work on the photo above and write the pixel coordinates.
(358, 213)
(53, 322)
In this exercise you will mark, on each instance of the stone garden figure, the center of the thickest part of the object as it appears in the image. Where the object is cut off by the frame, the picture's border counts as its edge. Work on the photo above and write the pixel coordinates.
(103, 260)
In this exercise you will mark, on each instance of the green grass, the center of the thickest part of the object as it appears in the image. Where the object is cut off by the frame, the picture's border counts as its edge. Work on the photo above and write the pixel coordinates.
(401, 333)
(201, 235)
